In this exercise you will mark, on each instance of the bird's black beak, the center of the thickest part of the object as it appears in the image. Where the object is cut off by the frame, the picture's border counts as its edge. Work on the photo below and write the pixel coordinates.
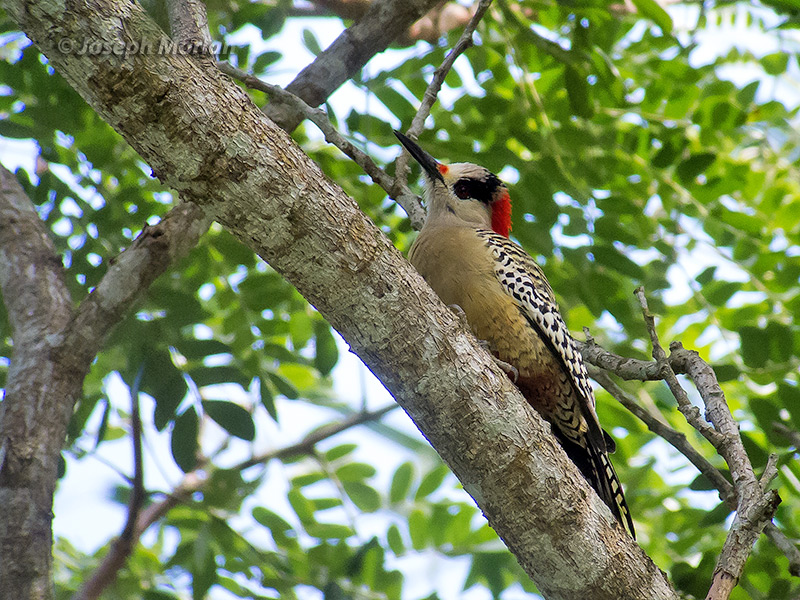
(429, 164)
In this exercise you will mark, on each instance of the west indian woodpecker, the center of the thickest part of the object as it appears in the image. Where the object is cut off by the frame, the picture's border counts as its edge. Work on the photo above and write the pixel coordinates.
(464, 254)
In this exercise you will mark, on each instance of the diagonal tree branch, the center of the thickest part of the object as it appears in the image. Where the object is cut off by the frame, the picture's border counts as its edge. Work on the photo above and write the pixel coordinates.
(432, 91)
(400, 192)
(129, 275)
(384, 21)
(601, 362)
(204, 137)
(756, 503)
(120, 550)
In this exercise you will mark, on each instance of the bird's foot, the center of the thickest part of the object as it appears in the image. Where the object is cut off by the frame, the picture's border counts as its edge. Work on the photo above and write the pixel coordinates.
(509, 370)
(459, 312)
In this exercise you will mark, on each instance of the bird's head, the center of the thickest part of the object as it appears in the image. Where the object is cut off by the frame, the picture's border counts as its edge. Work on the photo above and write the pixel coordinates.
(469, 192)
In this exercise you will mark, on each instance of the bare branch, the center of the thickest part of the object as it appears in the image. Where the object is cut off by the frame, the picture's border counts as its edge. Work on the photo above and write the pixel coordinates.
(689, 410)
(678, 440)
(188, 23)
(402, 195)
(756, 504)
(625, 368)
(790, 434)
(194, 481)
(432, 91)
(383, 22)
(106, 573)
(129, 275)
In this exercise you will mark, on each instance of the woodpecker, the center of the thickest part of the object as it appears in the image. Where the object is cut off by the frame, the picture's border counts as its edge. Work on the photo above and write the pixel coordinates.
(464, 253)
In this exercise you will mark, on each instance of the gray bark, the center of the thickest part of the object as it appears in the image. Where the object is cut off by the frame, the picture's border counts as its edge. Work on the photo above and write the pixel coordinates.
(204, 137)
(383, 22)
(54, 346)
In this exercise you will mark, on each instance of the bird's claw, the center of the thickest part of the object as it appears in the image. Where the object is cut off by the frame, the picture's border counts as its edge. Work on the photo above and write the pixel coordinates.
(459, 312)
(510, 370)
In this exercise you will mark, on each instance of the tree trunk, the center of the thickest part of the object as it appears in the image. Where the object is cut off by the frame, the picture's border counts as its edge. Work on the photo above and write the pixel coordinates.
(204, 137)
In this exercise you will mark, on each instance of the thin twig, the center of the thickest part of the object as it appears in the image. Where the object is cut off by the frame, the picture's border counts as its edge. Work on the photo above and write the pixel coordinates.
(307, 444)
(432, 91)
(756, 504)
(106, 573)
(790, 434)
(404, 197)
(600, 361)
(195, 480)
(685, 406)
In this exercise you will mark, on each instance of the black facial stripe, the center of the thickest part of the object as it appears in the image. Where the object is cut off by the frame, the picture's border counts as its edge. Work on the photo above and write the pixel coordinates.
(478, 189)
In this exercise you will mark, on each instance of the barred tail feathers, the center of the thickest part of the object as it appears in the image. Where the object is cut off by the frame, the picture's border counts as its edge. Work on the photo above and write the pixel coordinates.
(612, 494)
(597, 469)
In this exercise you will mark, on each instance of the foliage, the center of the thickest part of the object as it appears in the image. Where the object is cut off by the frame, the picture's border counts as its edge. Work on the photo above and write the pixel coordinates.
(632, 162)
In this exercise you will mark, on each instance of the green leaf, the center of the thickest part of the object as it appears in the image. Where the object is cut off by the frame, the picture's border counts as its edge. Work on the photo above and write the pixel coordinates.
(775, 63)
(395, 540)
(781, 341)
(362, 495)
(719, 292)
(270, 520)
(653, 11)
(431, 482)
(264, 60)
(303, 507)
(355, 472)
(226, 489)
(165, 383)
(326, 353)
(329, 531)
(340, 451)
(310, 42)
(613, 258)
(307, 479)
(232, 418)
(418, 529)
(199, 349)
(727, 372)
(789, 398)
(101, 430)
(283, 386)
(267, 399)
(767, 413)
(184, 440)
(401, 483)
(326, 503)
(578, 92)
(203, 376)
(716, 516)
(690, 168)
(754, 345)
(301, 328)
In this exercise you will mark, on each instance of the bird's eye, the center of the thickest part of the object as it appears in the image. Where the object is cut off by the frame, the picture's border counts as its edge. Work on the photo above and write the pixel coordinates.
(461, 189)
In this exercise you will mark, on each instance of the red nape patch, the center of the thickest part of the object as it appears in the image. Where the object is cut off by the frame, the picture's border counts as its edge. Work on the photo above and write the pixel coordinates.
(443, 169)
(501, 214)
